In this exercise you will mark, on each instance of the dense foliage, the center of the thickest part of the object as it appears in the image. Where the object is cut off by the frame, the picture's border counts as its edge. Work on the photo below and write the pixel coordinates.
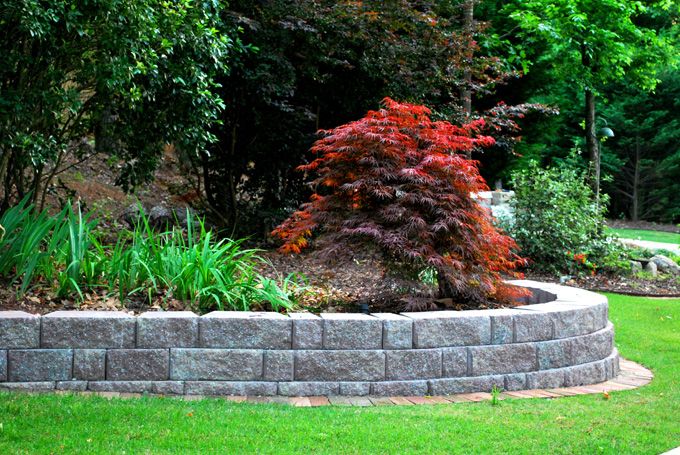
(398, 181)
(320, 64)
(64, 253)
(616, 49)
(135, 74)
(558, 223)
(121, 78)
(644, 159)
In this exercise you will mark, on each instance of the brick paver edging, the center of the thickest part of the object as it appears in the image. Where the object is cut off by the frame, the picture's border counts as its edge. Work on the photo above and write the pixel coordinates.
(631, 376)
(560, 337)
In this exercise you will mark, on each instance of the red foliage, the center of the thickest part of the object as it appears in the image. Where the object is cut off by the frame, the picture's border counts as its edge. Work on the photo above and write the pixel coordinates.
(398, 180)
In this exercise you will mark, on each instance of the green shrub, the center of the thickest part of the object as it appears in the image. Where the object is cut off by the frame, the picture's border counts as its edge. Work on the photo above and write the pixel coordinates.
(559, 225)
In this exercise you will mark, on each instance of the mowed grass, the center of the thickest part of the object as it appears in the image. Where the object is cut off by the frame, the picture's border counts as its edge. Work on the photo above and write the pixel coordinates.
(651, 236)
(645, 420)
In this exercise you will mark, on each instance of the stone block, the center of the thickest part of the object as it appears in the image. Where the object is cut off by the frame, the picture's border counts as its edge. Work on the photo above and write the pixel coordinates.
(506, 358)
(216, 364)
(167, 329)
(355, 389)
(450, 328)
(218, 388)
(547, 379)
(450, 386)
(413, 364)
(339, 365)
(3, 365)
(72, 386)
(88, 330)
(515, 382)
(137, 364)
(615, 363)
(399, 388)
(589, 348)
(532, 325)
(454, 362)
(35, 365)
(589, 373)
(33, 386)
(307, 331)
(397, 331)
(245, 330)
(351, 331)
(502, 326)
(553, 354)
(155, 387)
(278, 365)
(167, 387)
(89, 364)
(308, 389)
(19, 330)
(580, 320)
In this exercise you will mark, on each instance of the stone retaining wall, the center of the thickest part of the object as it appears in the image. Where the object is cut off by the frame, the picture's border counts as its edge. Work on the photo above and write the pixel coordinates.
(567, 341)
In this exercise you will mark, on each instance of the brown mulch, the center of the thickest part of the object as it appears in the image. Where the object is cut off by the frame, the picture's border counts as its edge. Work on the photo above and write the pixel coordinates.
(661, 286)
(343, 285)
(93, 182)
(338, 287)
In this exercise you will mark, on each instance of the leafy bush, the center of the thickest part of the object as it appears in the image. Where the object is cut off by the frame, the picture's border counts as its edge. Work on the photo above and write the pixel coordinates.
(398, 181)
(63, 251)
(558, 224)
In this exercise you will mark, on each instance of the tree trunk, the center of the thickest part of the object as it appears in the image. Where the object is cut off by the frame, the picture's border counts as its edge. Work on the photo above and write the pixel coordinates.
(446, 291)
(591, 143)
(466, 90)
(635, 208)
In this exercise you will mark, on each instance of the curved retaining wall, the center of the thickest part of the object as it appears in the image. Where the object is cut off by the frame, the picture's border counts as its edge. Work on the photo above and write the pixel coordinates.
(565, 342)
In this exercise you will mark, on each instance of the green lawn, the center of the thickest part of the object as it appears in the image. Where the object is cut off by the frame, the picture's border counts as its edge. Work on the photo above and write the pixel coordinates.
(652, 236)
(646, 420)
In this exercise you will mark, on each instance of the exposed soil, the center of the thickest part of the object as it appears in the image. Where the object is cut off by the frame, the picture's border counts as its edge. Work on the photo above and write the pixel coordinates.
(92, 182)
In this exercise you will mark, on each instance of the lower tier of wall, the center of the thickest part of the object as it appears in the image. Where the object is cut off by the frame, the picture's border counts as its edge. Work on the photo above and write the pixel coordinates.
(587, 373)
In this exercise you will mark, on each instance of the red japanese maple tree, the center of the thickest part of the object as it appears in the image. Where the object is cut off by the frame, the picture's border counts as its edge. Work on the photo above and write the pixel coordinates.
(398, 180)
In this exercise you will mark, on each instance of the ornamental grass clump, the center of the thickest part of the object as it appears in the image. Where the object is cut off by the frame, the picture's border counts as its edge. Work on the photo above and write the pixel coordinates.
(63, 253)
(399, 182)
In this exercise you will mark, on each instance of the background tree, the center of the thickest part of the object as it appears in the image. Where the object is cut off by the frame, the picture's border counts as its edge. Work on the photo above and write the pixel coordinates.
(590, 44)
(136, 74)
(320, 64)
(644, 161)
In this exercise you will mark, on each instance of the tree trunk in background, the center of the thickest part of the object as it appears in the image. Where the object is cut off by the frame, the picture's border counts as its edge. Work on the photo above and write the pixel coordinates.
(635, 207)
(591, 143)
(466, 91)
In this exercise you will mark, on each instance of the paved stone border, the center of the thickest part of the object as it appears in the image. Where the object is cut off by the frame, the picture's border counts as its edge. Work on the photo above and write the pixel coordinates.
(560, 337)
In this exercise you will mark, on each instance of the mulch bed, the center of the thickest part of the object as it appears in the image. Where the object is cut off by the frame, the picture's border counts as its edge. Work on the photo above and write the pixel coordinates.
(341, 286)
(661, 286)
